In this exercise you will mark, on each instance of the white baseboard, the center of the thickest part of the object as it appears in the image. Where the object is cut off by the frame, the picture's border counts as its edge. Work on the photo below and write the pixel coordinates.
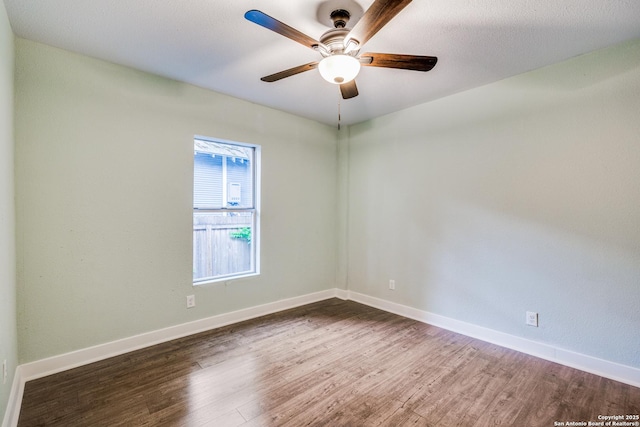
(15, 400)
(342, 294)
(604, 368)
(63, 362)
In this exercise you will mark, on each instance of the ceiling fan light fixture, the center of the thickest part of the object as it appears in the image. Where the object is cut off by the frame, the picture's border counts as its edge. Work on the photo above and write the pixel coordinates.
(339, 68)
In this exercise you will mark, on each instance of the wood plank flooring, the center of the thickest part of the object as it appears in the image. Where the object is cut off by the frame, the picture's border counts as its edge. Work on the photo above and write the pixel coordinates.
(332, 363)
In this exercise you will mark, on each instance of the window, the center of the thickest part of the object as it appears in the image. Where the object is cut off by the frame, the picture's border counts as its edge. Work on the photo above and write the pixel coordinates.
(225, 210)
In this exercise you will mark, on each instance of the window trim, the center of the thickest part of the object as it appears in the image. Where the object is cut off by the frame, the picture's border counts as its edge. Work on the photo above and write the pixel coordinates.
(255, 210)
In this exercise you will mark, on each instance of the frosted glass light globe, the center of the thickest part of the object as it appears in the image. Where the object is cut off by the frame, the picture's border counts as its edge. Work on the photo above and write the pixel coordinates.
(339, 69)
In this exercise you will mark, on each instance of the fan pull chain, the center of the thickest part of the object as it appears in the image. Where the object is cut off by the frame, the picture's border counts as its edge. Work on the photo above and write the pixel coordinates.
(339, 115)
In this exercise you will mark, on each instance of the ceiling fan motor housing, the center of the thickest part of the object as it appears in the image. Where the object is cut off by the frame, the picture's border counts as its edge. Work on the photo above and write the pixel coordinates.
(334, 40)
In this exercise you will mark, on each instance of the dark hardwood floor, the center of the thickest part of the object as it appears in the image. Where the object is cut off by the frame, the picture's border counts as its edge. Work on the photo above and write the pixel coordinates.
(332, 363)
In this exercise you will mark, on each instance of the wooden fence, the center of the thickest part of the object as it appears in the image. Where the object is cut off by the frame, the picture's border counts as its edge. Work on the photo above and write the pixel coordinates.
(215, 252)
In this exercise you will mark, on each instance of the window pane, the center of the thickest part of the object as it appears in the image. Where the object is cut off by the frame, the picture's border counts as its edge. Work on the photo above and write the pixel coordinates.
(223, 176)
(222, 244)
(207, 181)
(239, 182)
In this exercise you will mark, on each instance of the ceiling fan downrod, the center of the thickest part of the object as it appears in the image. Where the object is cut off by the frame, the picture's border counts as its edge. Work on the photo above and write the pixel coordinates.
(340, 17)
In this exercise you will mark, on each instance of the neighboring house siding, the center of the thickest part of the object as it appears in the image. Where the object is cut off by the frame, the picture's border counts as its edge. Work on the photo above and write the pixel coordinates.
(207, 180)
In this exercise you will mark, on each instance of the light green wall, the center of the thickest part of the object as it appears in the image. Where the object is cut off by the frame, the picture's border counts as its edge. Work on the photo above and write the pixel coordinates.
(104, 169)
(342, 206)
(520, 195)
(8, 334)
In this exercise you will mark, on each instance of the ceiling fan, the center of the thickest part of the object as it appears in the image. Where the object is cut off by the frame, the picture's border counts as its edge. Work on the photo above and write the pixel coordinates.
(340, 46)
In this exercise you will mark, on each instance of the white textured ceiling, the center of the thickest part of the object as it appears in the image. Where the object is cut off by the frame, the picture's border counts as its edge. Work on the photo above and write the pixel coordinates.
(209, 43)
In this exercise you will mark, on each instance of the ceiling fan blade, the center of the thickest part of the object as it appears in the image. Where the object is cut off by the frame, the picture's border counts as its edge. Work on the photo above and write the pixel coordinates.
(376, 17)
(392, 60)
(349, 90)
(281, 28)
(290, 72)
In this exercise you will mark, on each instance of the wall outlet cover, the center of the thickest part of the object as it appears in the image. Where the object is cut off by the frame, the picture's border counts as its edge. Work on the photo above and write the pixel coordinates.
(191, 301)
(532, 318)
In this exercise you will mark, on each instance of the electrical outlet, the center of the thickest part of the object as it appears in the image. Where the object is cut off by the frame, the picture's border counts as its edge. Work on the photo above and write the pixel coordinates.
(392, 285)
(191, 301)
(532, 318)
(4, 371)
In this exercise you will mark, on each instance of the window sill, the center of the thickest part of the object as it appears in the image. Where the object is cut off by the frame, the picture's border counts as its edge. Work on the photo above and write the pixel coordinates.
(225, 279)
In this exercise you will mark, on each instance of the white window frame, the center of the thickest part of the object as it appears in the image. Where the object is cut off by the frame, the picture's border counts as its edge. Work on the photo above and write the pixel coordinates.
(255, 238)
